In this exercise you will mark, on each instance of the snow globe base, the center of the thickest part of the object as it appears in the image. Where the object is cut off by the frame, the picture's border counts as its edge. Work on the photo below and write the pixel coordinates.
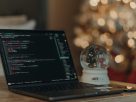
(95, 76)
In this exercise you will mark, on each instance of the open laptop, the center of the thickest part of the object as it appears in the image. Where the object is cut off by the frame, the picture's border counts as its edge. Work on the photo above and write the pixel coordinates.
(39, 64)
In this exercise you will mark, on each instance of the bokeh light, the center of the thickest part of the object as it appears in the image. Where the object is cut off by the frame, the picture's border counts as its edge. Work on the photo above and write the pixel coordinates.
(119, 58)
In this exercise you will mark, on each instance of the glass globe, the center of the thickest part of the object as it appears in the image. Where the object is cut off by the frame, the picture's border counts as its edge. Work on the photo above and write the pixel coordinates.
(95, 57)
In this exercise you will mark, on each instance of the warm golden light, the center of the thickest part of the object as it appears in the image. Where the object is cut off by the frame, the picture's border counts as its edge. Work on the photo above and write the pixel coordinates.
(119, 58)
(130, 34)
(103, 37)
(84, 44)
(95, 33)
(101, 22)
(112, 26)
(126, 1)
(94, 2)
(131, 43)
(133, 5)
(109, 42)
(129, 87)
(135, 34)
(79, 42)
(104, 1)
(113, 14)
(86, 38)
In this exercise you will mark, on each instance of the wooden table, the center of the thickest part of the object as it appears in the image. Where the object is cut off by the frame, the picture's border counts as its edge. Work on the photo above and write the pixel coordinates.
(7, 96)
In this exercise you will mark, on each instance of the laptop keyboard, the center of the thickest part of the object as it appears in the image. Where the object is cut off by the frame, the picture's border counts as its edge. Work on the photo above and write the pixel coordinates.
(58, 87)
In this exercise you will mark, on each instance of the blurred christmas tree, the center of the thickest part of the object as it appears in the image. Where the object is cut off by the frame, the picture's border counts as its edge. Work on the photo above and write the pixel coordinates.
(111, 23)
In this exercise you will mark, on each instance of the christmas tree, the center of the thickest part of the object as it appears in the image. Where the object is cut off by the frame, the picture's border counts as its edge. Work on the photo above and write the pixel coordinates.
(111, 23)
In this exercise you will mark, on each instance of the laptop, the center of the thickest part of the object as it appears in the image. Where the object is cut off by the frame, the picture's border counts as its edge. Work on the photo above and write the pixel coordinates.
(39, 64)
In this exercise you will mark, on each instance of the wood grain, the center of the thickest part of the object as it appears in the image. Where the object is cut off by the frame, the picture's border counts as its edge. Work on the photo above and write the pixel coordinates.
(7, 96)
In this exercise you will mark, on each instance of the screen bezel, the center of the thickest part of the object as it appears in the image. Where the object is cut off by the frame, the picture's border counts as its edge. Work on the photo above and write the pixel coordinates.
(3, 55)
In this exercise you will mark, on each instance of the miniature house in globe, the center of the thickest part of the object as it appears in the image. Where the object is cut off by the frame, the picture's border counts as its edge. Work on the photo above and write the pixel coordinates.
(95, 61)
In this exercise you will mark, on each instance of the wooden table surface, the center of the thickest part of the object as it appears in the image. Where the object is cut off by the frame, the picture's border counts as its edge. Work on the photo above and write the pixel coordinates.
(7, 96)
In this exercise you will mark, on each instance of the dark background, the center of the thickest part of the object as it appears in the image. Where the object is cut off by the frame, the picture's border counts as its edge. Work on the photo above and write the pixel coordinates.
(49, 14)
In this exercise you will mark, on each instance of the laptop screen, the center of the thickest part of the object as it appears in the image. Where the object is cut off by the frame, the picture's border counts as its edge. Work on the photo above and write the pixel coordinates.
(36, 57)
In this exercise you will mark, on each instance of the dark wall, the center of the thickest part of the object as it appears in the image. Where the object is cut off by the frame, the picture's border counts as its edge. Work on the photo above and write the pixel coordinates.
(50, 14)
(34, 9)
(62, 16)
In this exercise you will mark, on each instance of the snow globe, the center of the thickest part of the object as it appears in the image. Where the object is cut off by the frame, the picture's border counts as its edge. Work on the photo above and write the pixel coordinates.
(95, 60)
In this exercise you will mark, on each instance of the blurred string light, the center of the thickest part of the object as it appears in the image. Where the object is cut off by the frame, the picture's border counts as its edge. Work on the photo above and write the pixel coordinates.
(129, 87)
(81, 43)
(101, 21)
(95, 33)
(119, 58)
(134, 34)
(109, 42)
(126, 1)
(94, 2)
(131, 43)
(113, 14)
(104, 1)
(111, 23)
(103, 37)
(131, 34)
(133, 5)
